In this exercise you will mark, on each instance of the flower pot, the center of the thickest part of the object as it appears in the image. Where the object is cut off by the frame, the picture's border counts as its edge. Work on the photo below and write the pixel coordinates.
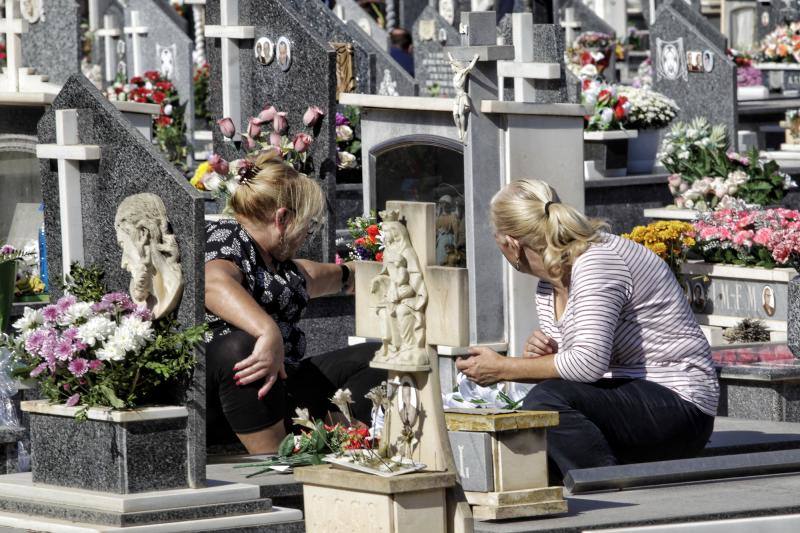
(115, 451)
(793, 320)
(8, 277)
(642, 151)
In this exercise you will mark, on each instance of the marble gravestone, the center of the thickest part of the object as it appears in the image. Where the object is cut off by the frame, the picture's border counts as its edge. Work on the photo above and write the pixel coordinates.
(52, 44)
(431, 34)
(350, 11)
(588, 19)
(310, 80)
(376, 71)
(708, 89)
(772, 13)
(409, 11)
(165, 47)
(127, 164)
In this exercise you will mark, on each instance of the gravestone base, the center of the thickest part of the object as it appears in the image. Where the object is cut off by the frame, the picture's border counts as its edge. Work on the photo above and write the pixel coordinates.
(776, 400)
(610, 158)
(220, 506)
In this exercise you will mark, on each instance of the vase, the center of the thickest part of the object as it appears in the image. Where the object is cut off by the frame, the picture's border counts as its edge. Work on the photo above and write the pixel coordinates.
(116, 451)
(8, 277)
(793, 318)
(642, 152)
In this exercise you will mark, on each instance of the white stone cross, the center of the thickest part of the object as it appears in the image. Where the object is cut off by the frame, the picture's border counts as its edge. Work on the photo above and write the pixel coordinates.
(523, 69)
(135, 30)
(69, 152)
(14, 77)
(571, 24)
(94, 14)
(110, 33)
(231, 33)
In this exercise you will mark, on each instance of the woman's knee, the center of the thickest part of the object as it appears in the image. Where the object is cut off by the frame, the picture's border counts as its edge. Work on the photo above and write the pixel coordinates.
(224, 352)
(551, 394)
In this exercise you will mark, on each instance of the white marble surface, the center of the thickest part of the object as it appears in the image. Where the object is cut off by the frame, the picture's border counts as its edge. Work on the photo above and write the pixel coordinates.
(610, 135)
(106, 414)
(406, 103)
(525, 108)
(716, 270)
(666, 213)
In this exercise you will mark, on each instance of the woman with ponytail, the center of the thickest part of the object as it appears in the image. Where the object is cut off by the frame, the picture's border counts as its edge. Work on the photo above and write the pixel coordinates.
(618, 354)
(255, 294)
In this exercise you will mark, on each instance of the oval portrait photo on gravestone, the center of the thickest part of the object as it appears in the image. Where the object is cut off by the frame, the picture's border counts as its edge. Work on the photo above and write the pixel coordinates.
(284, 53)
(768, 300)
(264, 51)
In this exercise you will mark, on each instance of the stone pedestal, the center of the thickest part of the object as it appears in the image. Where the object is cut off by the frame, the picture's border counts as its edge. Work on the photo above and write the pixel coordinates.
(341, 500)
(605, 153)
(793, 318)
(502, 462)
(112, 451)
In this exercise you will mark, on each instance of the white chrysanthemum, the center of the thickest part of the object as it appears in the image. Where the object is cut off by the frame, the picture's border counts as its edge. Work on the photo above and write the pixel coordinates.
(75, 312)
(96, 329)
(139, 330)
(31, 318)
(111, 351)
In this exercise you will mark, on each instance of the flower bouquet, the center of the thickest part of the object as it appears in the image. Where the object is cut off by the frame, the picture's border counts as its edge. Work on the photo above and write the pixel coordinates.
(766, 238)
(267, 131)
(644, 75)
(348, 146)
(649, 110)
(606, 108)
(782, 45)
(670, 240)
(200, 79)
(169, 126)
(591, 53)
(367, 242)
(93, 348)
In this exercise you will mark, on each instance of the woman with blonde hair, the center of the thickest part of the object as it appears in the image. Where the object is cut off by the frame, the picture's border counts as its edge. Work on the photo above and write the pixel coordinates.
(618, 354)
(255, 294)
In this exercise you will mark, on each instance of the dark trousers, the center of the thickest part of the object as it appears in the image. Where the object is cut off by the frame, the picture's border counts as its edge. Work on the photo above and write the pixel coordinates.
(311, 383)
(617, 421)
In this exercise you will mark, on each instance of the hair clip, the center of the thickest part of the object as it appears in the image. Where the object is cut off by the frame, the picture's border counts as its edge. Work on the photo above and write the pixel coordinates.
(247, 171)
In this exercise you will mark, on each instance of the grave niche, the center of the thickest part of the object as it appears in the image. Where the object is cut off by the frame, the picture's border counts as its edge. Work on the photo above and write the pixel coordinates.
(20, 179)
(424, 168)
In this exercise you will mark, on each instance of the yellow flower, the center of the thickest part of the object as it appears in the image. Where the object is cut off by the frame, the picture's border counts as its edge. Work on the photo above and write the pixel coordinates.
(197, 179)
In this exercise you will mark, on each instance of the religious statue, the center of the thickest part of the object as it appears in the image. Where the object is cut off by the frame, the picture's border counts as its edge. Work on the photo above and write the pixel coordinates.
(403, 298)
(345, 73)
(150, 253)
(462, 103)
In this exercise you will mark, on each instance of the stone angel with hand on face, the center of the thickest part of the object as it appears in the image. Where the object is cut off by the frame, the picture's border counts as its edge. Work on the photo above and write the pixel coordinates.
(619, 355)
(256, 292)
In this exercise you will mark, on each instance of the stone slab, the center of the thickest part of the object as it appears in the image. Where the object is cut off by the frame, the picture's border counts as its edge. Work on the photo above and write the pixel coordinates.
(525, 510)
(472, 452)
(106, 414)
(740, 435)
(681, 471)
(333, 477)
(514, 497)
(269, 522)
(500, 422)
(681, 504)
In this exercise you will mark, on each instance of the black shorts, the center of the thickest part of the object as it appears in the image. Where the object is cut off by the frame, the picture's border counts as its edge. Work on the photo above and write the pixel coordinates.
(311, 383)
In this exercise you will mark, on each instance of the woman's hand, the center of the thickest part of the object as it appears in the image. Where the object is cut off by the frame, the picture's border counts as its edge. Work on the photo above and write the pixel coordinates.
(483, 366)
(266, 361)
(540, 344)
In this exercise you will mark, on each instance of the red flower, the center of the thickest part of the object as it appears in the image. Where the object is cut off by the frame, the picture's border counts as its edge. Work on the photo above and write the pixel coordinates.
(360, 241)
(379, 257)
(159, 97)
(586, 58)
(622, 100)
(619, 112)
(2, 55)
(152, 75)
(604, 97)
(373, 231)
(165, 86)
(137, 80)
(163, 120)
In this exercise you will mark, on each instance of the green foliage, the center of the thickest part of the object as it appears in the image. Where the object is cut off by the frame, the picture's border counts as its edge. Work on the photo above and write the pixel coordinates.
(696, 150)
(766, 183)
(85, 283)
(747, 331)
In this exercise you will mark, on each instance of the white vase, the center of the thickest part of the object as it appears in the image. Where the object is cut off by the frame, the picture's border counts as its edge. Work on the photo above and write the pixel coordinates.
(642, 152)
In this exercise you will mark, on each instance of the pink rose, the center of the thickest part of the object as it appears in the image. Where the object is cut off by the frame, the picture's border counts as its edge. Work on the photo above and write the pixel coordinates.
(267, 114)
(312, 116)
(254, 128)
(279, 123)
(302, 142)
(227, 127)
(218, 165)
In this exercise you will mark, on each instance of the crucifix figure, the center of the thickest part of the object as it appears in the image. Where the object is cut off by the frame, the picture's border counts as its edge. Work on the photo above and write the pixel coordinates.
(136, 30)
(69, 152)
(110, 34)
(231, 33)
(462, 103)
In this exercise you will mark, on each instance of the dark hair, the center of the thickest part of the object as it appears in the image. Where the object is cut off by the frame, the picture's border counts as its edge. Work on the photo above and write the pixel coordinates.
(401, 38)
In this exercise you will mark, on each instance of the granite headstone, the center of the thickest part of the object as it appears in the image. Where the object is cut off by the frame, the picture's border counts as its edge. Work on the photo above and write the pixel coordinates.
(409, 11)
(165, 48)
(704, 86)
(588, 19)
(310, 80)
(351, 11)
(772, 13)
(52, 44)
(129, 165)
(431, 34)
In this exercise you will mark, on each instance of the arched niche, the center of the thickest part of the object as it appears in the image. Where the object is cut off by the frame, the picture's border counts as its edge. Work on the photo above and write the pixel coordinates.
(20, 183)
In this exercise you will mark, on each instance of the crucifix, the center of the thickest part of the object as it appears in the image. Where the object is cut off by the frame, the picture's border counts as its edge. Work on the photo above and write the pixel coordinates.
(69, 152)
(136, 30)
(571, 24)
(230, 33)
(110, 33)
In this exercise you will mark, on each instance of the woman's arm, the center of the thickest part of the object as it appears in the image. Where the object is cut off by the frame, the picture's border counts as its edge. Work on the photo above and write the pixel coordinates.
(229, 300)
(487, 367)
(324, 278)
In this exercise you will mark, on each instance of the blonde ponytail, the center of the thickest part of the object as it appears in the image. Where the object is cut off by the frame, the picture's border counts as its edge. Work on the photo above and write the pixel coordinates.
(530, 211)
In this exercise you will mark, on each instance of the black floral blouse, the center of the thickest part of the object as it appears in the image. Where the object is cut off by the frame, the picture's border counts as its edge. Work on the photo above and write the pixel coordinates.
(281, 293)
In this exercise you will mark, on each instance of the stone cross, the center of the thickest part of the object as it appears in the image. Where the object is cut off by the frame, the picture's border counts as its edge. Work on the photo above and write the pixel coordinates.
(571, 25)
(94, 15)
(523, 68)
(110, 33)
(482, 159)
(69, 152)
(14, 78)
(231, 33)
(135, 30)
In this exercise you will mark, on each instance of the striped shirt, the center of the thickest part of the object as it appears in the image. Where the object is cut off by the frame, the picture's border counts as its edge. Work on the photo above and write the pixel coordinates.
(627, 317)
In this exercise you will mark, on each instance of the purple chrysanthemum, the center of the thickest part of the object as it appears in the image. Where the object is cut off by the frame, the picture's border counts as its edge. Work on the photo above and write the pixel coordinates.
(65, 302)
(102, 307)
(143, 313)
(38, 370)
(78, 367)
(64, 350)
(96, 365)
(73, 400)
(34, 342)
(7, 249)
(342, 120)
(50, 313)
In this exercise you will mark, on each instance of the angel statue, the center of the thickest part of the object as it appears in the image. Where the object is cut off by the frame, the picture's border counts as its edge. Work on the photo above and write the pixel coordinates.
(462, 103)
(403, 298)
